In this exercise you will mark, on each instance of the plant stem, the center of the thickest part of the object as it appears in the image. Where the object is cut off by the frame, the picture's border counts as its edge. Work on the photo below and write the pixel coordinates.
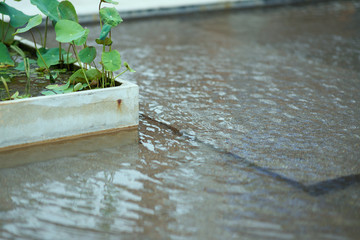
(60, 56)
(110, 40)
(6, 86)
(95, 66)
(46, 28)
(6, 32)
(112, 79)
(67, 57)
(103, 77)
(103, 72)
(78, 59)
(47, 68)
(41, 38)
(99, 14)
(2, 28)
(121, 73)
(27, 70)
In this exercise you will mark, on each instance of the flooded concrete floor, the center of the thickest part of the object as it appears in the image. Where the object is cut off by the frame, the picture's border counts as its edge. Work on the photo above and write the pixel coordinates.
(249, 129)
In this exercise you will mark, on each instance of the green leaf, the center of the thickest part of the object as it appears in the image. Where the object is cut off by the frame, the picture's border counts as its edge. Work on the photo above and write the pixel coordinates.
(77, 76)
(68, 31)
(3, 80)
(51, 57)
(33, 22)
(52, 76)
(111, 60)
(6, 28)
(42, 50)
(57, 87)
(68, 60)
(110, 1)
(48, 93)
(47, 7)
(110, 16)
(93, 74)
(53, 86)
(21, 65)
(128, 67)
(69, 90)
(17, 18)
(105, 31)
(5, 59)
(67, 11)
(15, 95)
(107, 41)
(18, 50)
(78, 87)
(6, 79)
(87, 55)
(83, 39)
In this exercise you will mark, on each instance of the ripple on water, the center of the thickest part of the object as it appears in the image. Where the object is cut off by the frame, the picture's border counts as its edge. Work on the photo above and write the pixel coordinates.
(242, 114)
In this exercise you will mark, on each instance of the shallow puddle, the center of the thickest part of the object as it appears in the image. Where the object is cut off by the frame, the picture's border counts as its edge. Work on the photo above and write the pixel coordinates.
(249, 129)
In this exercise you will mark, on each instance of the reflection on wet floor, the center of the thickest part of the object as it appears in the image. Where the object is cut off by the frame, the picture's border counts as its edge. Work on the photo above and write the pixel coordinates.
(133, 182)
(324, 187)
(248, 130)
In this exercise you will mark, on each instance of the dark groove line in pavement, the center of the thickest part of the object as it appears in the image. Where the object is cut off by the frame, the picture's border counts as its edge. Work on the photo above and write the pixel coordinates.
(317, 189)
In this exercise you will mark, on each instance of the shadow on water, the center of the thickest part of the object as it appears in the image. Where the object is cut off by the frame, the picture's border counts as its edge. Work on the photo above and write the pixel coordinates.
(331, 185)
(317, 189)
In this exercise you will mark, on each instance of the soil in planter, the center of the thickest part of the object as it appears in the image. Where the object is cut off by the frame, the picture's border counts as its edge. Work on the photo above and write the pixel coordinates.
(38, 81)
(16, 79)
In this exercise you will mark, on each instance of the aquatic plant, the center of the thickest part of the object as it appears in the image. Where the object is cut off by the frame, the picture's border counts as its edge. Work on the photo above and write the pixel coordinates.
(68, 32)
(26, 64)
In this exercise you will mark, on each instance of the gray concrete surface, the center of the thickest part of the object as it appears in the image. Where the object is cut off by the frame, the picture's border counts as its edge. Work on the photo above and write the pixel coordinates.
(249, 130)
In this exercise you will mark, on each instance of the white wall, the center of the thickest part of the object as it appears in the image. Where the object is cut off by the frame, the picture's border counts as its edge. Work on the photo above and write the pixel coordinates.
(86, 7)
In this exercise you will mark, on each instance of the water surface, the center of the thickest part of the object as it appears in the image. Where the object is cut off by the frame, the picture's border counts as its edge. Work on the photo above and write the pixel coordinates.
(249, 129)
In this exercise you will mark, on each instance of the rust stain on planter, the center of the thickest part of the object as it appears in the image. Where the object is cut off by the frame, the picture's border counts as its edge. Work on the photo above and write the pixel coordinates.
(119, 104)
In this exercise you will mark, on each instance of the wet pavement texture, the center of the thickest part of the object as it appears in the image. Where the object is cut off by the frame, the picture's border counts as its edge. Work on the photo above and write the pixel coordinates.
(249, 129)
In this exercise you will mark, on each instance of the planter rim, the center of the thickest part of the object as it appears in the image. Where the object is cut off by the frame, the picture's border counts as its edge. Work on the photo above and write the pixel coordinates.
(79, 93)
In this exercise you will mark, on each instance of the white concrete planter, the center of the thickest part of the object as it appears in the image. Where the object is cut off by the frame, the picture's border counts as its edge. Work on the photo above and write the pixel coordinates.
(45, 118)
